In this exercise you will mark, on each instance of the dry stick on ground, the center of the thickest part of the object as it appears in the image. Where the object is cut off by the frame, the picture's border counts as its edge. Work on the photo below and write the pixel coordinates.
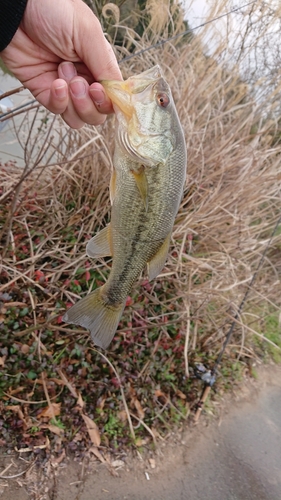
(14, 476)
(67, 383)
(43, 376)
(146, 427)
(25, 401)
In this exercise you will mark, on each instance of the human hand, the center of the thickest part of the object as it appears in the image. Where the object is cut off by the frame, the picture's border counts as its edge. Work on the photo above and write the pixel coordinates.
(59, 53)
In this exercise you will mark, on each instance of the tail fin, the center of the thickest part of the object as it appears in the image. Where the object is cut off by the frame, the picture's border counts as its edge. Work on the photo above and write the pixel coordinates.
(92, 313)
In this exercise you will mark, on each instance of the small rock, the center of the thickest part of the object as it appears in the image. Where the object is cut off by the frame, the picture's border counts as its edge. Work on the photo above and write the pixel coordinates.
(117, 463)
(5, 296)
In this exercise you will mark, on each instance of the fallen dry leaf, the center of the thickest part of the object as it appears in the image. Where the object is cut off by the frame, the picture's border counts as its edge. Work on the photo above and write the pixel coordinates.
(142, 442)
(17, 409)
(180, 394)
(2, 360)
(96, 452)
(122, 415)
(156, 433)
(68, 384)
(17, 390)
(39, 447)
(78, 437)
(101, 402)
(25, 348)
(58, 460)
(14, 408)
(50, 411)
(3, 310)
(92, 429)
(17, 304)
(53, 428)
(139, 409)
(57, 381)
(160, 394)
(80, 401)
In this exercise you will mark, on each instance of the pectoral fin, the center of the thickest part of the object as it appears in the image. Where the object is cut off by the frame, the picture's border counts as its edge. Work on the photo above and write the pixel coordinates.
(141, 182)
(100, 245)
(156, 264)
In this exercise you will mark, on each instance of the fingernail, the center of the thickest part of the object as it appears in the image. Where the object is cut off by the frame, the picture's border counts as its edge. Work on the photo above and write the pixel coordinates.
(78, 88)
(61, 92)
(68, 70)
(98, 96)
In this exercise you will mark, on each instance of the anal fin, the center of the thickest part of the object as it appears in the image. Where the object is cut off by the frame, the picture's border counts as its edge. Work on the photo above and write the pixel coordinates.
(156, 264)
(100, 245)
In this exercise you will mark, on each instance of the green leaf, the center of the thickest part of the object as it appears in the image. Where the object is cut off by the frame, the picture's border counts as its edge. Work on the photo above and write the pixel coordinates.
(32, 375)
(24, 311)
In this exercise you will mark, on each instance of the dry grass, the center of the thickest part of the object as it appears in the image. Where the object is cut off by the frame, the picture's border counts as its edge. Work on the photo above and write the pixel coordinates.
(231, 203)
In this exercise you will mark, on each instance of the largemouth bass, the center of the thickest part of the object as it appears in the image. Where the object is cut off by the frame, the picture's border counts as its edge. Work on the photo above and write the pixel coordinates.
(146, 189)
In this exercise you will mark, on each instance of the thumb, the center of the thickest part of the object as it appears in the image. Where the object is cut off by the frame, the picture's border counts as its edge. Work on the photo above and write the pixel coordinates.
(91, 45)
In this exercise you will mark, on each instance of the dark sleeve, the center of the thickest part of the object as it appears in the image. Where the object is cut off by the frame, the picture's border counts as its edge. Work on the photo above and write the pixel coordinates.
(11, 13)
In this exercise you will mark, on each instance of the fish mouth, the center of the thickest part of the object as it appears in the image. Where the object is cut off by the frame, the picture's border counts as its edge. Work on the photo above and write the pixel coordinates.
(121, 92)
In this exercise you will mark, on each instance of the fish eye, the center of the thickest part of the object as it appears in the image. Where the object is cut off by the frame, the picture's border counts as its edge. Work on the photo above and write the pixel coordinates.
(163, 100)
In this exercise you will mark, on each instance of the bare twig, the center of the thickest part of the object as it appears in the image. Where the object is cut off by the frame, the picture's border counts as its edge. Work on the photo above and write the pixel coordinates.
(11, 92)
(19, 473)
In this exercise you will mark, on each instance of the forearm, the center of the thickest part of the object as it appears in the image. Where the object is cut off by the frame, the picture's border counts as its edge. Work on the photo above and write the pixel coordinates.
(11, 13)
